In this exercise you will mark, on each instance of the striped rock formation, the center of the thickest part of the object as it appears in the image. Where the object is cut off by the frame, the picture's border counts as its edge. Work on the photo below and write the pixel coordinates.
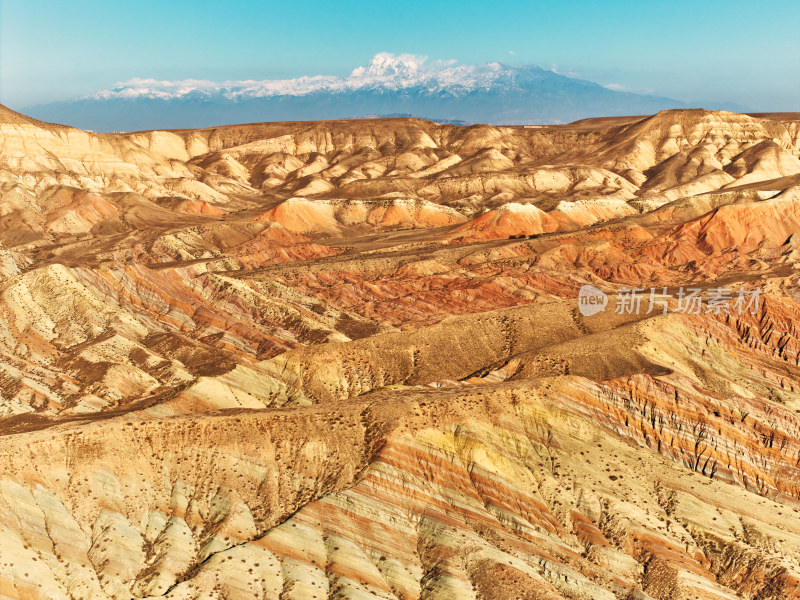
(347, 360)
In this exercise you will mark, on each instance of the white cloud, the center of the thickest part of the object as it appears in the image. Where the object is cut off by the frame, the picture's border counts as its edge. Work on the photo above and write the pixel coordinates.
(616, 87)
(567, 73)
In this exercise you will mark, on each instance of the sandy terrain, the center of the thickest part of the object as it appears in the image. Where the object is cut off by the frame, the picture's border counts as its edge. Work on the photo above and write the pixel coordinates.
(346, 359)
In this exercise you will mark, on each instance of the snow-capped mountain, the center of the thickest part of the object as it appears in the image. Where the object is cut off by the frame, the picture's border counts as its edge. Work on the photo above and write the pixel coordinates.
(389, 84)
(385, 71)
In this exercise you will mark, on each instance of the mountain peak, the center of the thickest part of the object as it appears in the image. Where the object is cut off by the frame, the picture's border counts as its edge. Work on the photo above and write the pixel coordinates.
(387, 70)
(388, 84)
(385, 64)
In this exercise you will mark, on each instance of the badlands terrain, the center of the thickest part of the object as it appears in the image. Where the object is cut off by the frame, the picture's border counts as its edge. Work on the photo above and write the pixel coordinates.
(345, 359)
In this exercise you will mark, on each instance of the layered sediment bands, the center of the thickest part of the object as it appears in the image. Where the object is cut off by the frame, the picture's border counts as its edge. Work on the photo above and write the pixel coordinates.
(174, 494)
(346, 360)
(460, 486)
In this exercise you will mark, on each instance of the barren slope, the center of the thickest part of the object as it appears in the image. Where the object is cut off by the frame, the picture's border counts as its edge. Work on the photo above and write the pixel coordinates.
(345, 360)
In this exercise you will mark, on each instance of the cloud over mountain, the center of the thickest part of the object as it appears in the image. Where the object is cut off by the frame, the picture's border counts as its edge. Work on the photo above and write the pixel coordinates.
(389, 84)
(385, 70)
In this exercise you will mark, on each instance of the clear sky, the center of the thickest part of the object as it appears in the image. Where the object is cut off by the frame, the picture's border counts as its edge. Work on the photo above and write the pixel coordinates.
(722, 51)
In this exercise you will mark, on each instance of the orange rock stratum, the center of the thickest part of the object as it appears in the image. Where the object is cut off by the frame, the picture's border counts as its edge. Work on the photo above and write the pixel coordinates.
(347, 359)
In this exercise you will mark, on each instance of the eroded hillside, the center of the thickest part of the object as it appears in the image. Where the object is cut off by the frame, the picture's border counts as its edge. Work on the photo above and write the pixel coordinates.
(346, 360)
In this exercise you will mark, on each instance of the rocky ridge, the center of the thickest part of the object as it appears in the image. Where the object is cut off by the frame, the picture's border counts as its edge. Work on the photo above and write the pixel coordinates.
(345, 360)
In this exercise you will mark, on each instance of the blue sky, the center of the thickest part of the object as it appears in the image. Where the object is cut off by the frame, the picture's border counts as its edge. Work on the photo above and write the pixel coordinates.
(733, 51)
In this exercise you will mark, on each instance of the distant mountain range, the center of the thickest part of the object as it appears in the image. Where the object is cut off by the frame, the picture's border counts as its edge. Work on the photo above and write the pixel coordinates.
(390, 85)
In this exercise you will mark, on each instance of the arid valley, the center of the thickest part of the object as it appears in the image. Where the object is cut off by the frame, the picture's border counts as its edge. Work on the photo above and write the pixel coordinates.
(347, 359)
